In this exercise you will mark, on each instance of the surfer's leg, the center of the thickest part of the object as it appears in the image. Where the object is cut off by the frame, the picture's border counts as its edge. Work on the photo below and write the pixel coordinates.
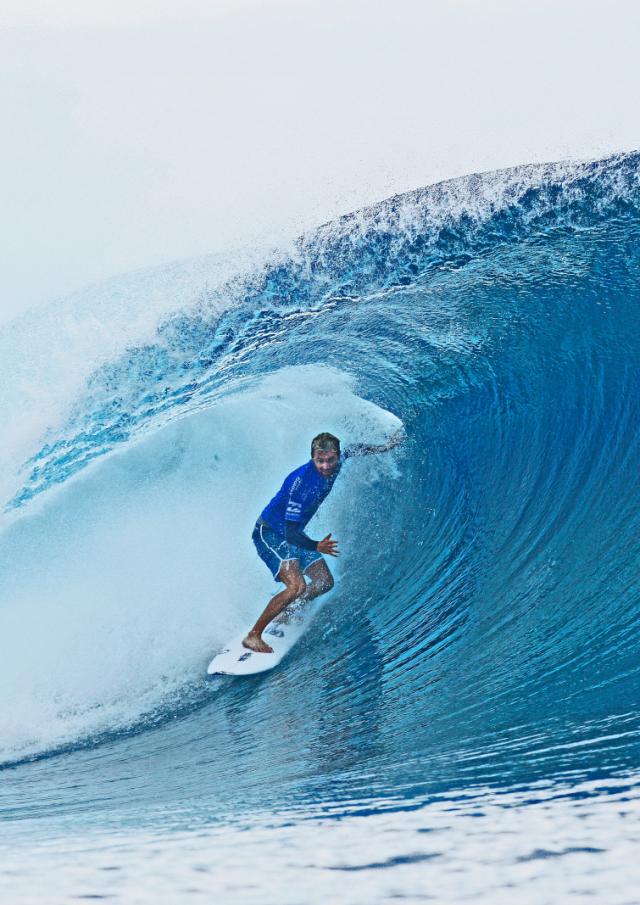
(296, 586)
(321, 579)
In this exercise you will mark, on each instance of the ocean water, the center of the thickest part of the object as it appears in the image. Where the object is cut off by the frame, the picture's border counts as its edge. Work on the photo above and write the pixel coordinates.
(462, 721)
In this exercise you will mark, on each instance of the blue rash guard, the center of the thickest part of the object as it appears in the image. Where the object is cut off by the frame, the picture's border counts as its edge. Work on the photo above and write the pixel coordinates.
(298, 500)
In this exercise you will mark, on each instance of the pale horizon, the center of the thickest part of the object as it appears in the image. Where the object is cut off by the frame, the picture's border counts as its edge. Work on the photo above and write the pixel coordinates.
(136, 137)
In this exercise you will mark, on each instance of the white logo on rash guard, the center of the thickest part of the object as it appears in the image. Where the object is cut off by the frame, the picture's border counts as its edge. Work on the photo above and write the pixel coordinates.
(294, 507)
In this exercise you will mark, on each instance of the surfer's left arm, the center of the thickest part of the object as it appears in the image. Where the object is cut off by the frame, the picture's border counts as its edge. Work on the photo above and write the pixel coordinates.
(366, 449)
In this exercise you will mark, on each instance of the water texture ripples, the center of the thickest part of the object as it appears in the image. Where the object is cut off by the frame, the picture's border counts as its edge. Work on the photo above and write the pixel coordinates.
(483, 631)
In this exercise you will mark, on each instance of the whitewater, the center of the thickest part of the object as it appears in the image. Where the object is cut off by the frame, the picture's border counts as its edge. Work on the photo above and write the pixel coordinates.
(463, 718)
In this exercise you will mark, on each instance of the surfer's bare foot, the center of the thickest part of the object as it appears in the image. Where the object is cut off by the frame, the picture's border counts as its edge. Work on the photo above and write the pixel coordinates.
(255, 643)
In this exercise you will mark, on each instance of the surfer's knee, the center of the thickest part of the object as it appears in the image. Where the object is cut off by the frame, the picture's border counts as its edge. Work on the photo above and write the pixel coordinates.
(320, 586)
(327, 583)
(320, 577)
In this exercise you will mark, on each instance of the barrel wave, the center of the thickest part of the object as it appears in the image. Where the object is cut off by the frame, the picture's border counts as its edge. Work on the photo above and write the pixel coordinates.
(483, 631)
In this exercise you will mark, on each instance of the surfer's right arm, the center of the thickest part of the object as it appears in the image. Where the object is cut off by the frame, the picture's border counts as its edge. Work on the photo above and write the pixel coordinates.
(294, 535)
(366, 449)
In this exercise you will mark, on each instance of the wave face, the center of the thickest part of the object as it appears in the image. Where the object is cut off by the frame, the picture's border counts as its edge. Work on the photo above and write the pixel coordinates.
(483, 629)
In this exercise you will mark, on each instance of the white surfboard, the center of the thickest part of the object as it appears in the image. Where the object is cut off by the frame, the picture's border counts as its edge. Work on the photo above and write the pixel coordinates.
(235, 660)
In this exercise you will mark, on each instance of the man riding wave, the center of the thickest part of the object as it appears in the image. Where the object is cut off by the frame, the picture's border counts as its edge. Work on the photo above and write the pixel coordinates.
(279, 536)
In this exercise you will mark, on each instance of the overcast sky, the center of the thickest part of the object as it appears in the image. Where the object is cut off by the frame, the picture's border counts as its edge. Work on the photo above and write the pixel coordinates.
(136, 133)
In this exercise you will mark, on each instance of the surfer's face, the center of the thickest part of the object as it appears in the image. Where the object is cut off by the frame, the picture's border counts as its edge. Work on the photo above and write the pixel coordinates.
(326, 461)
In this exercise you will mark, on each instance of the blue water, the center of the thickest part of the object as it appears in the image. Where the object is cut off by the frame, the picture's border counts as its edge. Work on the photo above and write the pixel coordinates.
(483, 632)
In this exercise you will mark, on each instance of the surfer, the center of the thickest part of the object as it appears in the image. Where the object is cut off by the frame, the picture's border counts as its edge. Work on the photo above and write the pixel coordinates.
(279, 536)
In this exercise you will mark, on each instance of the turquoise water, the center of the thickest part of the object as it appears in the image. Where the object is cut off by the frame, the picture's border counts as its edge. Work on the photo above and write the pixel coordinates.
(481, 641)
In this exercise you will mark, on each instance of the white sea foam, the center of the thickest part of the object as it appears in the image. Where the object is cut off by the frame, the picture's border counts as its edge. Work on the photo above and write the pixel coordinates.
(564, 843)
(47, 355)
(124, 580)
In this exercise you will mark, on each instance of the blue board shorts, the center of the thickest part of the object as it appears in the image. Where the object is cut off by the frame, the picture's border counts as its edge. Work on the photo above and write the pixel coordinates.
(273, 550)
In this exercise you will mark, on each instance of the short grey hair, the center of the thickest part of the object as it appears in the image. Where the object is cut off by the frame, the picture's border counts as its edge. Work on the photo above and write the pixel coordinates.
(325, 442)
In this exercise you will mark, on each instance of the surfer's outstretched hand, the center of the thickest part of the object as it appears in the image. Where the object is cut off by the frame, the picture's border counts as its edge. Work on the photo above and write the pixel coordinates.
(326, 545)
